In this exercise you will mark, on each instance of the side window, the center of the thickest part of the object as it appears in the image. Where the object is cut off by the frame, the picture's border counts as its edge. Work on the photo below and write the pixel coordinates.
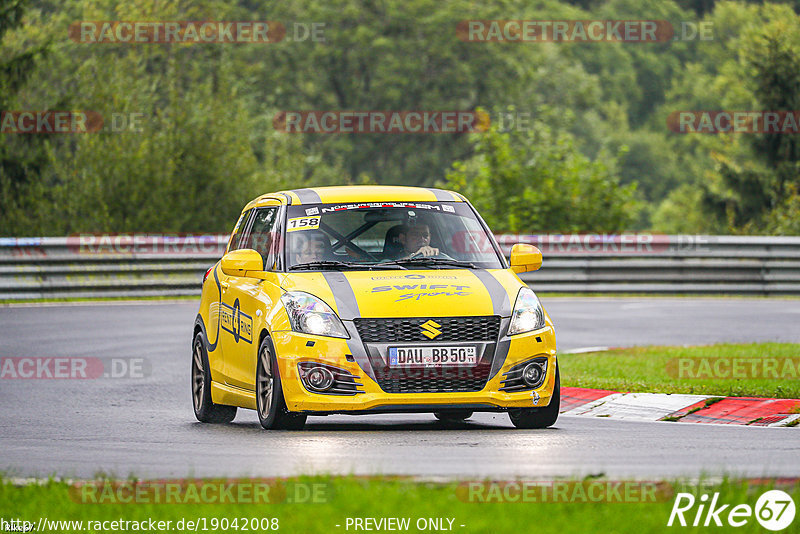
(264, 238)
(238, 231)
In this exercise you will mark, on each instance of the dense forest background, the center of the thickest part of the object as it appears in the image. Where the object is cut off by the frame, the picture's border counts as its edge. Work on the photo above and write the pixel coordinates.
(596, 155)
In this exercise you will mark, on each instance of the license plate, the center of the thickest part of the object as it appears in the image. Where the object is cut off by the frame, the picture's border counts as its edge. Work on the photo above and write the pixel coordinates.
(432, 356)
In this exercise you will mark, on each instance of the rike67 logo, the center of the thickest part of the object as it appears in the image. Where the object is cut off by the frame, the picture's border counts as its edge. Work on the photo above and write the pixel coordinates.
(774, 510)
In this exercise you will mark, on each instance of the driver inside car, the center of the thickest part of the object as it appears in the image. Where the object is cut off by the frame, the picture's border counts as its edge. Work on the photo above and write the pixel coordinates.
(416, 241)
(310, 246)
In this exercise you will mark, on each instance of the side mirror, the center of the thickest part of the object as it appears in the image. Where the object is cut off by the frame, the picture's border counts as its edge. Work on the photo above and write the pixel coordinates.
(525, 258)
(238, 262)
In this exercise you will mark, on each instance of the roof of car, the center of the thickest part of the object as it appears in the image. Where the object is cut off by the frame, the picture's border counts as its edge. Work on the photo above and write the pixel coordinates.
(358, 193)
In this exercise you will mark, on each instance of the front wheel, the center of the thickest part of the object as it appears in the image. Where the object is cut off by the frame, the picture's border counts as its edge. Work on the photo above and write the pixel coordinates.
(204, 408)
(270, 404)
(539, 417)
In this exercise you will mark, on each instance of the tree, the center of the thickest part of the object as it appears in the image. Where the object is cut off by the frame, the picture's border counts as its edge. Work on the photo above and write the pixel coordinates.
(750, 184)
(22, 158)
(537, 181)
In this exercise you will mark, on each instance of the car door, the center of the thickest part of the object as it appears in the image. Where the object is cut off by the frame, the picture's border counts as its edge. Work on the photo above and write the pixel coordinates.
(243, 299)
(219, 313)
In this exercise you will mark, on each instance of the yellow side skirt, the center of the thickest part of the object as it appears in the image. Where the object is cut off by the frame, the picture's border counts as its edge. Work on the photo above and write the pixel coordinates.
(232, 396)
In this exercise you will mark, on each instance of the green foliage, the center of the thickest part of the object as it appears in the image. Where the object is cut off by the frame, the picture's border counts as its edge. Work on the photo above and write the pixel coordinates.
(754, 177)
(22, 160)
(538, 181)
(598, 158)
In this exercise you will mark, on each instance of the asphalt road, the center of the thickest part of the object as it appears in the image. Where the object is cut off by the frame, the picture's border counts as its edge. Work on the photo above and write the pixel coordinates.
(145, 426)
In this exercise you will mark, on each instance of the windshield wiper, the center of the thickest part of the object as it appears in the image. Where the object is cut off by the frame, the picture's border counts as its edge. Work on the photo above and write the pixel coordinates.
(334, 265)
(323, 265)
(430, 261)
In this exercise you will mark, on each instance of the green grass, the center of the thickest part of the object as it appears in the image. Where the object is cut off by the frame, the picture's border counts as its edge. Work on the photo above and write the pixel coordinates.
(654, 369)
(386, 497)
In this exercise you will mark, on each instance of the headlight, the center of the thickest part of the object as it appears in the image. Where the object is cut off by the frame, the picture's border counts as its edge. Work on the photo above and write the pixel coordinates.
(310, 315)
(528, 314)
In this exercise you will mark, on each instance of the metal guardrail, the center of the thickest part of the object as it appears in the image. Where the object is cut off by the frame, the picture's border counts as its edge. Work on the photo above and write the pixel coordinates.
(136, 266)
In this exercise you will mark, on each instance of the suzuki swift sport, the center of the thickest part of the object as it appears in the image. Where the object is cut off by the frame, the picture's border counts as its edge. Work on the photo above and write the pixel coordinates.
(371, 299)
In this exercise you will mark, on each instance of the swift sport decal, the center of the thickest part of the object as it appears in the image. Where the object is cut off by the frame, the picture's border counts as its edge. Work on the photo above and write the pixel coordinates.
(417, 296)
(235, 321)
(428, 290)
(406, 287)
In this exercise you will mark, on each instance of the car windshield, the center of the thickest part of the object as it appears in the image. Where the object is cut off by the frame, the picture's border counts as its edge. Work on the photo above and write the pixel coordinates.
(389, 235)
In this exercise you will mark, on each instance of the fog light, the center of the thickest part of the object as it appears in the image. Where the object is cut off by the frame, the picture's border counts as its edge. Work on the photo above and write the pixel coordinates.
(533, 374)
(319, 378)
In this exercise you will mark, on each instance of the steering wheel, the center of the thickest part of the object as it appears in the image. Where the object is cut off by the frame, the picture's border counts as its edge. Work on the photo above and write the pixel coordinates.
(440, 255)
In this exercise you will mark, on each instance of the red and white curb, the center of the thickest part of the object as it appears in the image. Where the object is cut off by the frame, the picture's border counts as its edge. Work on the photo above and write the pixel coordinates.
(678, 407)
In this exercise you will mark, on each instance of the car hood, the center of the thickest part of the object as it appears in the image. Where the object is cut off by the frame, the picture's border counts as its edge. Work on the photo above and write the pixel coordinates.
(418, 293)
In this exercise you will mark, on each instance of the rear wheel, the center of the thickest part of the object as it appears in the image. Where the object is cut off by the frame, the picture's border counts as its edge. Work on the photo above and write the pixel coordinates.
(453, 415)
(539, 417)
(204, 408)
(270, 404)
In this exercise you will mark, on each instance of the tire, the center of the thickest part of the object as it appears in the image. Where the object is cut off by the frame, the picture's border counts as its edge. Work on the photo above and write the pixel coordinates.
(270, 404)
(204, 408)
(453, 415)
(539, 417)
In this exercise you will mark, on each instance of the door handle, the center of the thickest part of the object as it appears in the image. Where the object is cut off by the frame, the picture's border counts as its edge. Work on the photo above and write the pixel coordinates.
(224, 285)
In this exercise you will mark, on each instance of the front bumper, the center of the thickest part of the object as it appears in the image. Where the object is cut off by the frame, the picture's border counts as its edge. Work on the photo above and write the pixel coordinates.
(293, 348)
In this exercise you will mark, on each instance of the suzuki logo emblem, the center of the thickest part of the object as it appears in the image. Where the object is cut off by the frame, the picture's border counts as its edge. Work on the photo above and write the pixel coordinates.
(430, 329)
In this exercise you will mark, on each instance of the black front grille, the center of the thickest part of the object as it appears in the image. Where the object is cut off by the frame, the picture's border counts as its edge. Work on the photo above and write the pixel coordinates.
(430, 380)
(482, 328)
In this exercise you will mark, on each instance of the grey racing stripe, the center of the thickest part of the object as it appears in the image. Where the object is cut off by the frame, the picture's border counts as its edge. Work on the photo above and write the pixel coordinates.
(441, 195)
(343, 294)
(502, 307)
(307, 196)
(501, 352)
(500, 302)
(347, 305)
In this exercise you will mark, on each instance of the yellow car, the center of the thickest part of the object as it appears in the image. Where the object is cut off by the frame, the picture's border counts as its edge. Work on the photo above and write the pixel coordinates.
(371, 299)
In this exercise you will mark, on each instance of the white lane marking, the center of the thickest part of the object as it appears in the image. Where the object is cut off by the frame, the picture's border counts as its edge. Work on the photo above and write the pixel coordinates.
(786, 421)
(584, 350)
(584, 408)
(637, 406)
